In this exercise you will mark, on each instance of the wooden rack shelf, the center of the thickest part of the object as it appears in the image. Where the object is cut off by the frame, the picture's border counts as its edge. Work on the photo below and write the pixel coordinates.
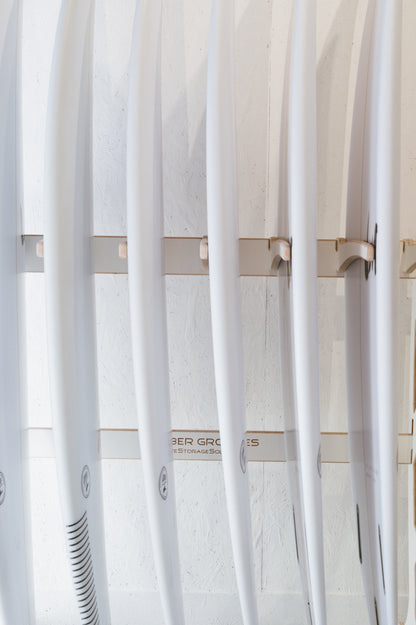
(205, 445)
(183, 256)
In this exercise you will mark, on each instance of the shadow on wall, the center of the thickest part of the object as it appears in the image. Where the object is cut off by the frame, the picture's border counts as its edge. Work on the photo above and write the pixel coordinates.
(184, 101)
(111, 62)
(333, 74)
(184, 123)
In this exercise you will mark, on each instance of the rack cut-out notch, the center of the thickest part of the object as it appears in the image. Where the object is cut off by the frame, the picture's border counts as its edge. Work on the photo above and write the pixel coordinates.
(408, 262)
(349, 250)
(280, 250)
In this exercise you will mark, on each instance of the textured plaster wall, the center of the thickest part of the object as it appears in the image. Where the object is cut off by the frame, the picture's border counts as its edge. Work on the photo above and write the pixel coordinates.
(207, 568)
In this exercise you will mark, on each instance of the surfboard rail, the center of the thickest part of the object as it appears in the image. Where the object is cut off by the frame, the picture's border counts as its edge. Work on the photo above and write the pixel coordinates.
(371, 296)
(148, 300)
(222, 214)
(411, 608)
(302, 211)
(70, 306)
(16, 578)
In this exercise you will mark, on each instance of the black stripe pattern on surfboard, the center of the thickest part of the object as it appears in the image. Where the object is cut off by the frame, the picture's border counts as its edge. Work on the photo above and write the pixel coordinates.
(82, 570)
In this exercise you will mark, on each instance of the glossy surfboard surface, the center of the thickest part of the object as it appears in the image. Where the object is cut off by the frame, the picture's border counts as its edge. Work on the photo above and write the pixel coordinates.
(222, 207)
(148, 300)
(298, 295)
(69, 287)
(16, 601)
(371, 307)
(286, 356)
(411, 608)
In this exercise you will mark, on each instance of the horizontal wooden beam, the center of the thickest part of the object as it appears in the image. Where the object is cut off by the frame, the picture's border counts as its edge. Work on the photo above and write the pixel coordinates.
(186, 256)
(205, 445)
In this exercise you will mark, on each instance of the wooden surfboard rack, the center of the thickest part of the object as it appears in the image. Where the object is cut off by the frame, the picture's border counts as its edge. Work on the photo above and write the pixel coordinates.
(258, 257)
(262, 446)
(408, 260)
(190, 256)
(349, 251)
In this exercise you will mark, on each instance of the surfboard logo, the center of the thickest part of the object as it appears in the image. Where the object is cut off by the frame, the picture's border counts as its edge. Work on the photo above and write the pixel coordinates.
(163, 483)
(2, 488)
(243, 455)
(86, 482)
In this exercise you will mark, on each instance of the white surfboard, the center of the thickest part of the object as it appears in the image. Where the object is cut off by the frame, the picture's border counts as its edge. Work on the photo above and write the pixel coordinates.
(16, 601)
(411, 609)
(222, 206)
(148, 300)
(371, 301)
(286, 357)
(69, 285)
(300, 315)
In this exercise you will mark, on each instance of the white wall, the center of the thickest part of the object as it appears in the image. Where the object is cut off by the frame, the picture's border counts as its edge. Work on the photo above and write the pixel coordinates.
(207, 567)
